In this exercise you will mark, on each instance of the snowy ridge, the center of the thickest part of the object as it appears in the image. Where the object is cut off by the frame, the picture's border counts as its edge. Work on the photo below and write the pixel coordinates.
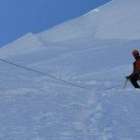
(113, 20)
(83, 52)
(25, 44)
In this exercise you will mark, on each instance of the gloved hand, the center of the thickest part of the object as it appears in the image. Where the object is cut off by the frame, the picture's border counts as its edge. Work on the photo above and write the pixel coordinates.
(128, 77)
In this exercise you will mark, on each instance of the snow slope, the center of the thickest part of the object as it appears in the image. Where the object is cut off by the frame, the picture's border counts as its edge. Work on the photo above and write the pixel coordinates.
(78, 94)
(119, 19)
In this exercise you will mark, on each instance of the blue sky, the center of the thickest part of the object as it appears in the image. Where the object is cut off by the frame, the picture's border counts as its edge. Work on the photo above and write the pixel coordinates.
(18, 17)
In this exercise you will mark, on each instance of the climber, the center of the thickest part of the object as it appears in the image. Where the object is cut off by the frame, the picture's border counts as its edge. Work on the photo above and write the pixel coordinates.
(135, 76)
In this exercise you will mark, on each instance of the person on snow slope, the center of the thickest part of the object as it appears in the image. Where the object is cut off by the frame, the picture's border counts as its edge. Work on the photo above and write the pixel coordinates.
(135, 76)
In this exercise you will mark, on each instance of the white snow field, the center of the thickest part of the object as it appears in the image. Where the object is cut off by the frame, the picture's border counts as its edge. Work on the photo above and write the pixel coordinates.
(67, 83)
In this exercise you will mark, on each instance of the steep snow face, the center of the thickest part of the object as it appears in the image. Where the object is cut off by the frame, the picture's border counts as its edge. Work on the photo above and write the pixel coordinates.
(118, 19)
(36, 107)
(80, 27)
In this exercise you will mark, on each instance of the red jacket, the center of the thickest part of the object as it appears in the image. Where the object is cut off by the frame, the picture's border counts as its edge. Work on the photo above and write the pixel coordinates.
(136, 65)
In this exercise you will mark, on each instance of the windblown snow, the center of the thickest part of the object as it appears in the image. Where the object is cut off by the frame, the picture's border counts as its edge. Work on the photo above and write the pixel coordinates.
(67, 83)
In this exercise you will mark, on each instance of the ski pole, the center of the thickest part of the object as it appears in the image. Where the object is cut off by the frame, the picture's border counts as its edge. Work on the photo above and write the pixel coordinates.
(125, 83)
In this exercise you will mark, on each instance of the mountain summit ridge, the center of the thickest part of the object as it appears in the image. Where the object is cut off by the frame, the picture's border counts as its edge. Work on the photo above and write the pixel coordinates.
(113, 20)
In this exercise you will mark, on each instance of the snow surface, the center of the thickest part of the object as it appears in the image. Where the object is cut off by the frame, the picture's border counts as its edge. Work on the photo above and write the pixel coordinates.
(80, 94)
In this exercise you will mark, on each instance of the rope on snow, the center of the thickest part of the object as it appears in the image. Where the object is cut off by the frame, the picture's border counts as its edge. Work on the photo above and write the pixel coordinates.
(42, 73)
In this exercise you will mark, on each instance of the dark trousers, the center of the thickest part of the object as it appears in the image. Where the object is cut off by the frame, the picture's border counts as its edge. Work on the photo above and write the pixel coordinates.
(134, 79)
